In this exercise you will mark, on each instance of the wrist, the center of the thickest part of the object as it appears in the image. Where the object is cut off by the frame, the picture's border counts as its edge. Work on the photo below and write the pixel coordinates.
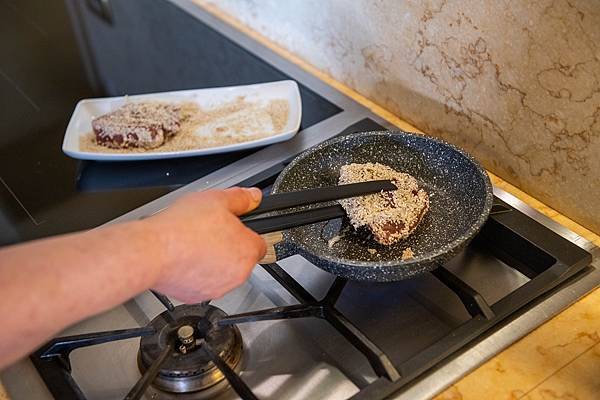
(153, 245)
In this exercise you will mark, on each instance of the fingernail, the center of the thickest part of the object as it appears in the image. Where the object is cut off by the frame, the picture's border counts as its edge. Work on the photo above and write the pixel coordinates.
(256, 194)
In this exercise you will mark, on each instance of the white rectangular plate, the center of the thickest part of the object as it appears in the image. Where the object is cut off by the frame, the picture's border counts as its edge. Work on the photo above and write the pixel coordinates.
(88, 109)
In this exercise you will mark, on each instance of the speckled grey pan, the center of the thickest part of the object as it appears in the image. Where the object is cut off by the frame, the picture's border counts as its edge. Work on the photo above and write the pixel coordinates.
(460, 201)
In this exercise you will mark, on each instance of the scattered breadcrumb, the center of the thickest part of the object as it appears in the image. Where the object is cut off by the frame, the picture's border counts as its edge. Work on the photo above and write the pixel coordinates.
(331, 242)
(407, 253)
(372, 251)
(234, 122)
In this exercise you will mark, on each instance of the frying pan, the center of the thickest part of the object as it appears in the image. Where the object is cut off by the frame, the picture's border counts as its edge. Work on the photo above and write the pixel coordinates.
(460, 201)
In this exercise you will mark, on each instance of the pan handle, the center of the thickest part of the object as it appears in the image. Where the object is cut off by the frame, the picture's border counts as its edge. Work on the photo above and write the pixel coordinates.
(272, 239)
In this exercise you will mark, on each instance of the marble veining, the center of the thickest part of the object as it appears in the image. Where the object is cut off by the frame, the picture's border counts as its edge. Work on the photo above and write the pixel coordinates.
(516, 83)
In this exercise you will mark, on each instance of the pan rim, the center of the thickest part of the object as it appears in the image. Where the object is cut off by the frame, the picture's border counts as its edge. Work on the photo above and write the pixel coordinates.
(429, 257)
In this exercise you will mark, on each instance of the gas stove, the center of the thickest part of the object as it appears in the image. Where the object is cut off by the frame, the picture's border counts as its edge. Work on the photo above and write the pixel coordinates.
(293, 330)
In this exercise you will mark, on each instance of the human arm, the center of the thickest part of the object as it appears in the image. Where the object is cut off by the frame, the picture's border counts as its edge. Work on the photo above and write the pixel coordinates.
(195, 250)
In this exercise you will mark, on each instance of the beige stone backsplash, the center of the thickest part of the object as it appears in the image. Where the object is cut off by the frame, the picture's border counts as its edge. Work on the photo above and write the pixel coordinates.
(516, 83)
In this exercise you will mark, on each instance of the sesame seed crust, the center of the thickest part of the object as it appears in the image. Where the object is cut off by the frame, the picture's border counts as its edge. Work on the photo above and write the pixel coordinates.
(146, 124)
(390, 216)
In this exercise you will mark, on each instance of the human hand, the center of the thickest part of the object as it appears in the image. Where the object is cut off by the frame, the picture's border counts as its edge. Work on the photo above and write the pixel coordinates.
(207, 250)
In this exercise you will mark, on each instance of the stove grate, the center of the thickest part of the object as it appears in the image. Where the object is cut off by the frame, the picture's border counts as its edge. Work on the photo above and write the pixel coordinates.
(548, 260)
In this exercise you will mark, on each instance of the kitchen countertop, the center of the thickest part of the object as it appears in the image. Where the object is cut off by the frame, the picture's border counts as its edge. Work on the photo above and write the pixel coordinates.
(558, 360)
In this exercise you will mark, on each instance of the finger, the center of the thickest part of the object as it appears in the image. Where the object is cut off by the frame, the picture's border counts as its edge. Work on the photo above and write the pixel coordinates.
(242, 200)
(255, 251)
(260, 244)
(257, 246)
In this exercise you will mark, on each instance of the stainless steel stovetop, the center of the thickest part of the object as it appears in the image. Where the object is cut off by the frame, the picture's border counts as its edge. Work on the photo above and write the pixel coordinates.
(306, 358)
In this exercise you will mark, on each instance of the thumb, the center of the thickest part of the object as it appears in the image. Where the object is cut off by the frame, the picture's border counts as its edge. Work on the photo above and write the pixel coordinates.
(242, 200)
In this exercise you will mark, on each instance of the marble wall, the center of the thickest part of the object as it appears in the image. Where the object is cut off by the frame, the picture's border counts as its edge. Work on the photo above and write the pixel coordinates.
(516, 83)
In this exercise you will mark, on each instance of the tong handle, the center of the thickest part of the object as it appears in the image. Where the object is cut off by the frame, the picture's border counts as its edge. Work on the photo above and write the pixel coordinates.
(271, 227)
(272, 239)
(291, 220)
(281, 201)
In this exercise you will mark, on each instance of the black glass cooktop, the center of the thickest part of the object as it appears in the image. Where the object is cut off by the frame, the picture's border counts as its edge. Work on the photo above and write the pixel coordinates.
(44, 192)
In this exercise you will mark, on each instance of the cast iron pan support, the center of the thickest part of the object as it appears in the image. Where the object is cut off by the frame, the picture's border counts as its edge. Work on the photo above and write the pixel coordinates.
(325, 309)
(471, 298)
(62, 347)
(52, 361)
(138, 390)
(232, 377)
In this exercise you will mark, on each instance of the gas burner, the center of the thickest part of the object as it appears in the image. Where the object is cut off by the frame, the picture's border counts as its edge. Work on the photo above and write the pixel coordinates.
(187, 329)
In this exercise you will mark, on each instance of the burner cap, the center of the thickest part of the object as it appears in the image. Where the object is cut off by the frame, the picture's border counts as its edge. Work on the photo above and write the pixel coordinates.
(190, 369)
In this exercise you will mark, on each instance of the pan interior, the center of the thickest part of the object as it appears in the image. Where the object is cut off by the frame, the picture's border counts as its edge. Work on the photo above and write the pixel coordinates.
(457, 187)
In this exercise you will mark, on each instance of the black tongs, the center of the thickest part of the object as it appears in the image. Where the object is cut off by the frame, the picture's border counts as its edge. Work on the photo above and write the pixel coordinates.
(281, 201)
